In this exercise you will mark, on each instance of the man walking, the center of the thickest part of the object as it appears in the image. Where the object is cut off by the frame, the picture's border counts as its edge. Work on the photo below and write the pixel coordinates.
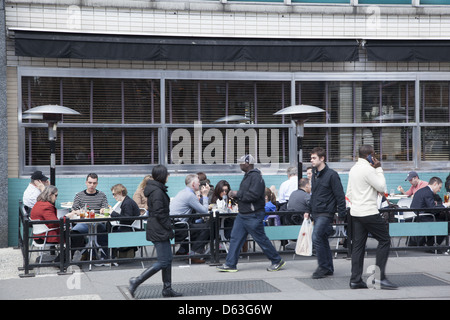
(327, 198)
(365, 180)
(249, 220)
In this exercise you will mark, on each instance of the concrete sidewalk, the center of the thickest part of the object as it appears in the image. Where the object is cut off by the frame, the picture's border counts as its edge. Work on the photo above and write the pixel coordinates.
(419, 275)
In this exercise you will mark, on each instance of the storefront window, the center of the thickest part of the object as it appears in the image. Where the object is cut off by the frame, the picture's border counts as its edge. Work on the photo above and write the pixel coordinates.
(121, 123)
(350, 103)
(109, 130)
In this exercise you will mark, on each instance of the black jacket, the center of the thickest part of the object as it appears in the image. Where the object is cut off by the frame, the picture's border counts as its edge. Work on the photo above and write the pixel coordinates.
(128, 208)
(159, 225)
(423, 199)
(251, 192)
(327, 193)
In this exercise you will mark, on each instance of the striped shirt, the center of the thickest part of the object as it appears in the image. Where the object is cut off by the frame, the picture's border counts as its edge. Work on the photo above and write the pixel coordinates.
(95, 200)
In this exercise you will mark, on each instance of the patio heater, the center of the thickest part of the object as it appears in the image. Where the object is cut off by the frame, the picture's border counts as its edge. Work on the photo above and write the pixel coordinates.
(299, 114)
(51, 114)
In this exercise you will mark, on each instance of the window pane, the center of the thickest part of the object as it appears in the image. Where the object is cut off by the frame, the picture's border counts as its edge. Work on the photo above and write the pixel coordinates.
(271, 97)
(141, 101)
(359, 102)
(435, 143)
(107, 100)
(40, 91)
(141, 146)
(77, 96)
(434, 101)
(387, 102)
(342, 144)
(208, 101)
(182, 101)
(76, 146)
(37, 147)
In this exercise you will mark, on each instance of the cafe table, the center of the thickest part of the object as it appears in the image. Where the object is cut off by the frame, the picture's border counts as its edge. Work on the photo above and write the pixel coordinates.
(92, 235)
(394, 198)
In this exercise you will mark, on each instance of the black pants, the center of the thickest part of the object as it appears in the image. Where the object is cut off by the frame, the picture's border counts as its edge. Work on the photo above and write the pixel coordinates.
(377, 227)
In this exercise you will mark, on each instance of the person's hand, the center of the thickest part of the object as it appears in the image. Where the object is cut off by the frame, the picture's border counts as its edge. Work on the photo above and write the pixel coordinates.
(232, 194)
(376, 163)
(39, 185)
(205, 190)
(306, 216)
(72, 214)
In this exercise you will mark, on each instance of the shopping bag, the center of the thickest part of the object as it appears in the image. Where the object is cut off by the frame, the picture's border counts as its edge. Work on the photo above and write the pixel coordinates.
(304, 241)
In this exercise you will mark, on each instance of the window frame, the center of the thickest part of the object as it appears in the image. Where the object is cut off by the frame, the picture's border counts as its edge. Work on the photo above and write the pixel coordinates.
(163, 127)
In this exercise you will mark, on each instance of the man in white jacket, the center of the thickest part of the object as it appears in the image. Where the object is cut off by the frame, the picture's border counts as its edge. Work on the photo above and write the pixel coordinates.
(365, 180)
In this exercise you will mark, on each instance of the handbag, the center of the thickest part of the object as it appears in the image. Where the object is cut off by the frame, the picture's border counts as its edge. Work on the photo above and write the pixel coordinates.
(304, 241)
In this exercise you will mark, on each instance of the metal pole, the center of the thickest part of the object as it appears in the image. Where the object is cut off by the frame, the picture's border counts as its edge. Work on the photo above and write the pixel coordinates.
(300, 134)
(52, 139)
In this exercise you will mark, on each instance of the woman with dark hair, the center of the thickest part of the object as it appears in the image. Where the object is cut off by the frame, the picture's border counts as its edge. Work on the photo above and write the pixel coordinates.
(221, 191)
(159, 231)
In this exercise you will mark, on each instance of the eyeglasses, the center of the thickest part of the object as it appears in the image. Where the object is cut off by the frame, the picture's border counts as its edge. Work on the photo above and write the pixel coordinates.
(55, 194)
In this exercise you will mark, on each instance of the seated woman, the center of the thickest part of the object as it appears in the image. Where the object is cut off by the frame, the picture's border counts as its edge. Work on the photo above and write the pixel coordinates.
(45, 209)
(127, 207)
(220, 197)
(139, 196)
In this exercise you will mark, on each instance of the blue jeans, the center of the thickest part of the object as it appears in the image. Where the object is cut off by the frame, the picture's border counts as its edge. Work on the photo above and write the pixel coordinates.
(322, 230)
(164, 255)
(250, 223)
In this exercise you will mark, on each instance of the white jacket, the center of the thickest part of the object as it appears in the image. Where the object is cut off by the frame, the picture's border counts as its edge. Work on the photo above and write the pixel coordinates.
(364, 183)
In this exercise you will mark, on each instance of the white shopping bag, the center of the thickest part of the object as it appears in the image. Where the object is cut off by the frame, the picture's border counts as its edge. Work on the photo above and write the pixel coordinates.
(304, 240)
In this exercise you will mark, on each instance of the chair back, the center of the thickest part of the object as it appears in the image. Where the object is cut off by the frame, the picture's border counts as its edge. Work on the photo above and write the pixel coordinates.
(39, 228)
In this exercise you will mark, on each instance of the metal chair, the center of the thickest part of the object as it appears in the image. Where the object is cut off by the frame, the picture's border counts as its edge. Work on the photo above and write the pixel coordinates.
(184, 225)
(39, 229)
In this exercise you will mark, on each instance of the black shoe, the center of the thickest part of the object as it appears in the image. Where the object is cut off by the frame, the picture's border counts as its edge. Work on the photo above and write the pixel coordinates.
(358, 285)
(385, 284)
(169, 293)
(321, 273)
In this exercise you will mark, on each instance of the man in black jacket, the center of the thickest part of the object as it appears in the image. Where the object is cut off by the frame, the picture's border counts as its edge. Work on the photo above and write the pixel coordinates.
(249, 220)
(327, 198)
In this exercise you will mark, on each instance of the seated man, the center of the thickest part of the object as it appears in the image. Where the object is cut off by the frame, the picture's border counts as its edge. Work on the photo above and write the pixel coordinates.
(299, 202)
(186, 202)
(416, 184)
(96, 200)
(426, 198)
(34, 189)
(287, 187)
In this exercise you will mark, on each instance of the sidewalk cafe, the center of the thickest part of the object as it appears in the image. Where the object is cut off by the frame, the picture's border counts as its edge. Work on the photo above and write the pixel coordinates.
(279, 234)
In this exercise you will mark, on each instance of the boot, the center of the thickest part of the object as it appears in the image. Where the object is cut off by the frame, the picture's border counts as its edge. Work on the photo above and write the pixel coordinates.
(135, 282)
(167, 281)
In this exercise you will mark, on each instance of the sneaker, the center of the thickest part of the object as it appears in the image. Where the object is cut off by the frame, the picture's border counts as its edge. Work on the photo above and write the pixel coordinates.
(102, 264)
(276, 266)
(225, 268)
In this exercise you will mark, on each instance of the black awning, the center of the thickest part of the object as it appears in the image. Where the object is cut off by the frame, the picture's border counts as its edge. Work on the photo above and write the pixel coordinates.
(165, 48)
(408, 50)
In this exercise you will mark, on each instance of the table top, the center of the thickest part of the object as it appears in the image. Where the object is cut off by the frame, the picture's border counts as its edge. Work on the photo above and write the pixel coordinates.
(397, 196)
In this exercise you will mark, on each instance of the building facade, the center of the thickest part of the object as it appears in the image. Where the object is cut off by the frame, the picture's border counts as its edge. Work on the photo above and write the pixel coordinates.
(154, 80)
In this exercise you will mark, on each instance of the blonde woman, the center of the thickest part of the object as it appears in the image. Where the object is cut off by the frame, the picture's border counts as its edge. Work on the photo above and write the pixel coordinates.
(139, 196)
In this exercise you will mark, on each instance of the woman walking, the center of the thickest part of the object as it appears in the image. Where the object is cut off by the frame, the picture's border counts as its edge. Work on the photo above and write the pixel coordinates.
(159, 231)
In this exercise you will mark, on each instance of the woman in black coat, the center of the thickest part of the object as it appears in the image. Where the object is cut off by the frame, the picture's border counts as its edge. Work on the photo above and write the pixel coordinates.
(159, 231)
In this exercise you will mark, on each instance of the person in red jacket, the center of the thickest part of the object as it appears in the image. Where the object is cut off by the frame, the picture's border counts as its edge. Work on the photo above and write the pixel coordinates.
(45, 209)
